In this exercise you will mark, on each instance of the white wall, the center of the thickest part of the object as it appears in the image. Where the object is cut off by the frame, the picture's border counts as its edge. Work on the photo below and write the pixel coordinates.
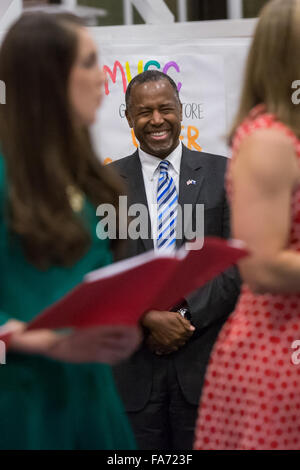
(9, 12)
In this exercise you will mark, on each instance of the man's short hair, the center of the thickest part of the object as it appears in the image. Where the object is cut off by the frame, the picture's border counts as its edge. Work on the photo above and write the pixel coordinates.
(149, 76)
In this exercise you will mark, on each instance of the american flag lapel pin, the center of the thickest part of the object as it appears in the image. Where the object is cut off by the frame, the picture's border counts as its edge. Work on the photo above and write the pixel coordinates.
(189, 182)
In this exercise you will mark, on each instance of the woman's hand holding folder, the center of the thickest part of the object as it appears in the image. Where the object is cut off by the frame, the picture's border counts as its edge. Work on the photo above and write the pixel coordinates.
(105, 344)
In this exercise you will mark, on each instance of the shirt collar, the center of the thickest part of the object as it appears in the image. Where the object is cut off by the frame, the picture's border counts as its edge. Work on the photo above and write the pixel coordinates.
(150, 163)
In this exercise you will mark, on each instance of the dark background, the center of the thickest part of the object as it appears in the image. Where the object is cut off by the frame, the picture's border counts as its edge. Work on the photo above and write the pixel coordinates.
(197, 9)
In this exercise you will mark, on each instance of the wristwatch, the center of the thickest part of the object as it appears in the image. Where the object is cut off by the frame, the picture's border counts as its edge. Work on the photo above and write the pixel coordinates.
(185, 313)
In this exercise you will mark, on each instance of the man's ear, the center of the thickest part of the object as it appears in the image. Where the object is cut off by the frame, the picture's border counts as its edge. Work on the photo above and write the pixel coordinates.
(129, 120)
(180, 104)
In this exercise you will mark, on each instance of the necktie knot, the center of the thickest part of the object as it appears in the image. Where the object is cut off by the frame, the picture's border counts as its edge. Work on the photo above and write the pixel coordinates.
(164, 167)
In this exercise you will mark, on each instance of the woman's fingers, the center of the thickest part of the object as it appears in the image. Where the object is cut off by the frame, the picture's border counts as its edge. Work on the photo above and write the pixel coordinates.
(101, 344)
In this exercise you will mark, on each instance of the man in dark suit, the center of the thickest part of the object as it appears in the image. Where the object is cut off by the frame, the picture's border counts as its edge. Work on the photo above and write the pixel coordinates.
(161, 383)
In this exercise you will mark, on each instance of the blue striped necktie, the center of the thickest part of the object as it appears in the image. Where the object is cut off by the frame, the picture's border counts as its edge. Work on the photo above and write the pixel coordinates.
(167, 203)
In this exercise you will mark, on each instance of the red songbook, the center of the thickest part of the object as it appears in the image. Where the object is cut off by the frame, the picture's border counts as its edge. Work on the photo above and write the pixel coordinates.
(121, 293)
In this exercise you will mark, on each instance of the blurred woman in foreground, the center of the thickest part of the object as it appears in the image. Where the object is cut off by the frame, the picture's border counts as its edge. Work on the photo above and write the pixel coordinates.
(50, 185)
(252, 395)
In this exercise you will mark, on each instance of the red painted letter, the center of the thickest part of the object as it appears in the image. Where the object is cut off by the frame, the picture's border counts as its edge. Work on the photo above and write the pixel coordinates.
(113, 75)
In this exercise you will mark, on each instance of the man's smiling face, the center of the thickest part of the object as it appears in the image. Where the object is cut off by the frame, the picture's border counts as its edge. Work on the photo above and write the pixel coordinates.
(155, 115)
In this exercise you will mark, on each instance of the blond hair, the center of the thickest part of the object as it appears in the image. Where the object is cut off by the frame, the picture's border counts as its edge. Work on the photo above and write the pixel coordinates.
(273, 64)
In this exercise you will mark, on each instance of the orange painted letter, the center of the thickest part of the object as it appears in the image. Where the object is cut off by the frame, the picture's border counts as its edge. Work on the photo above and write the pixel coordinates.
(134, 139)
(192, 138)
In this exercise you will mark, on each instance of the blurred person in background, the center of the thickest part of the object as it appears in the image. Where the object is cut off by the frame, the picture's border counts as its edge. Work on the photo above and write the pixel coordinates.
(54, 393)
(251, 398)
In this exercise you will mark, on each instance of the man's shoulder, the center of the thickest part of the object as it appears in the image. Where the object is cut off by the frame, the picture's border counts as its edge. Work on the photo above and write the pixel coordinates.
(207, 158)
(210, 162)
(123, 162)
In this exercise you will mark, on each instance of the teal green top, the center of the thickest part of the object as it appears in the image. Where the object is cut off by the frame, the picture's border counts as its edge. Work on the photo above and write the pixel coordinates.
(47, 404)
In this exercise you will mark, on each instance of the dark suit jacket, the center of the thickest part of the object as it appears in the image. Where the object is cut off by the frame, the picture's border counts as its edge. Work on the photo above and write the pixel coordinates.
(210, 305)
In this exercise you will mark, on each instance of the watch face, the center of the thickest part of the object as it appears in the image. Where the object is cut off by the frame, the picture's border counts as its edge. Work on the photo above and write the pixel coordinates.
(183, 312)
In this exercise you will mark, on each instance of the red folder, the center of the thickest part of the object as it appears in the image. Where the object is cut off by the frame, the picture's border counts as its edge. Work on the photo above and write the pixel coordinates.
(122, 292)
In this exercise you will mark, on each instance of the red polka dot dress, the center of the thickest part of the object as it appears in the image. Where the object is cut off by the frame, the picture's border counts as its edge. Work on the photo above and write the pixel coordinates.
(251, 397)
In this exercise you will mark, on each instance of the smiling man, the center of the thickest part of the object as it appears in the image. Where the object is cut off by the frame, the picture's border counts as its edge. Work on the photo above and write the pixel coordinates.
(161, 384)
(154, 112)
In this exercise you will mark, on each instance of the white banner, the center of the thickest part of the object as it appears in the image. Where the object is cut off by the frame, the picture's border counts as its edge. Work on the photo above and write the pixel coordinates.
(206, 61)
(200, 82)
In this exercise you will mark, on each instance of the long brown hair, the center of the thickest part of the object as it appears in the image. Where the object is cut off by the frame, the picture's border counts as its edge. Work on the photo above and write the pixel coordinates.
(273, 64)
(44, 152)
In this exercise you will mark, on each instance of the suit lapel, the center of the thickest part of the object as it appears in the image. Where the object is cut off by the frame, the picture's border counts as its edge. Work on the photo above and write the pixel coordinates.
(135, 181)
(191, 172)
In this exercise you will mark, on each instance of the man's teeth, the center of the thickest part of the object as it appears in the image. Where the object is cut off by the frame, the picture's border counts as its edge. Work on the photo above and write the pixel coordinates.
(158, 134)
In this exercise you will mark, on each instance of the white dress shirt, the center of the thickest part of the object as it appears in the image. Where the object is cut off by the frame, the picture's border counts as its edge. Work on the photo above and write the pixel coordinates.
(151, 171)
